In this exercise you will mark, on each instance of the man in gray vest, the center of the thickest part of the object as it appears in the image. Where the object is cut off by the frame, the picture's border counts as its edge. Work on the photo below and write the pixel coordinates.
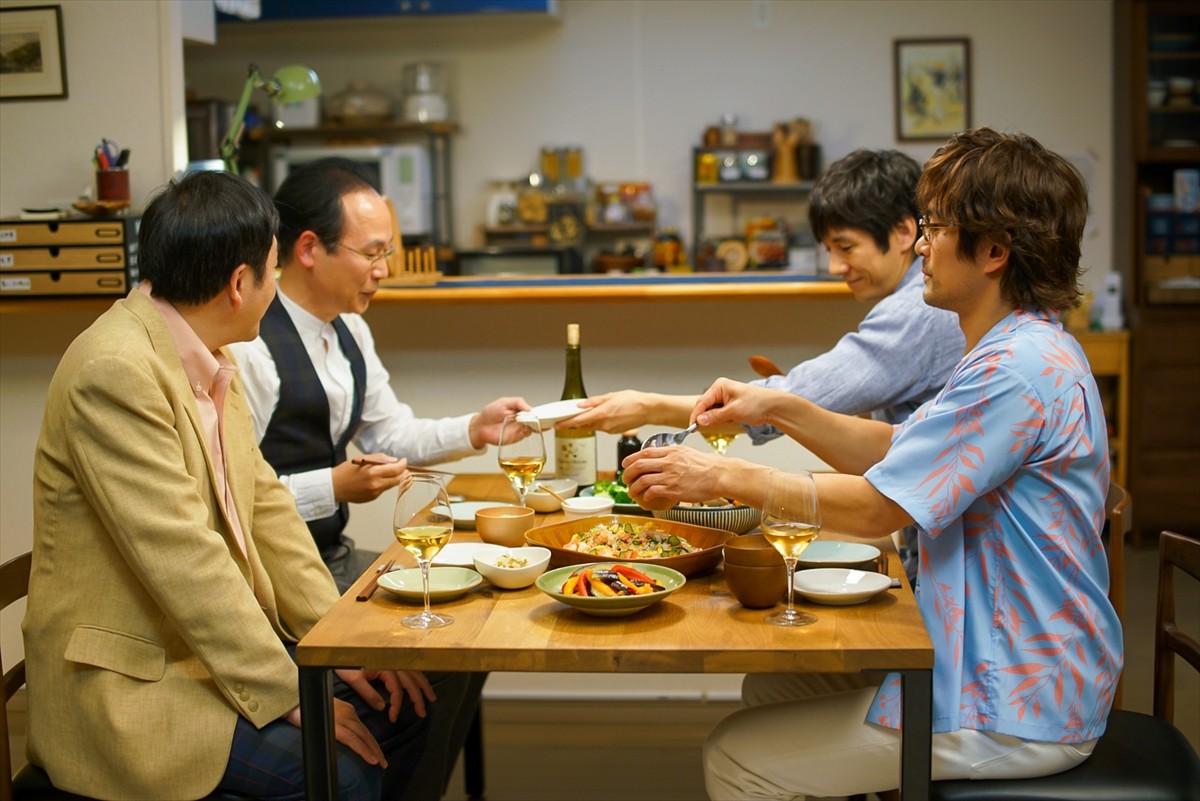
(315, 384)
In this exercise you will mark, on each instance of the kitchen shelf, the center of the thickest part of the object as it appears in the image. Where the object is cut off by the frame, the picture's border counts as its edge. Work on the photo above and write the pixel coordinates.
(734, 191)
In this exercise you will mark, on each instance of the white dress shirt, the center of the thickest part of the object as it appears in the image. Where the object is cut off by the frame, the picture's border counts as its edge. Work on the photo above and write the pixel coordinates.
(388, 426)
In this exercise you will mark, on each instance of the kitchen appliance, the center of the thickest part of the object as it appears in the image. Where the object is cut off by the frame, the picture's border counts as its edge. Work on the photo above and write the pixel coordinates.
(400, 172)
(494, 261)
(424, 92)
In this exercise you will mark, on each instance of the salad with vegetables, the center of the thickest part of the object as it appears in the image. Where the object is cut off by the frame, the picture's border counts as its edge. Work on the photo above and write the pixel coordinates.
(612, 489)
(628, 541)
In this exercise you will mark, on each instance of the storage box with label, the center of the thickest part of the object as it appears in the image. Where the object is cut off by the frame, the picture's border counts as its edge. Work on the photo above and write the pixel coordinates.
(84, 256)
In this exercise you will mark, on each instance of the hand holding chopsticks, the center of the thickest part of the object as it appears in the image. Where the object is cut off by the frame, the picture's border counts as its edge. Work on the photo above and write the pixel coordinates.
(373, 585)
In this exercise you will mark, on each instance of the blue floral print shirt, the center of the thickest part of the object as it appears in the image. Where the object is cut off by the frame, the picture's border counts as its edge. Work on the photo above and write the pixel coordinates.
(1005, 472)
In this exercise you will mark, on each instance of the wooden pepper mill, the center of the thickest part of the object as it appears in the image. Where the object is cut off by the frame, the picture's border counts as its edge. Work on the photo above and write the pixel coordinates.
(787, 137)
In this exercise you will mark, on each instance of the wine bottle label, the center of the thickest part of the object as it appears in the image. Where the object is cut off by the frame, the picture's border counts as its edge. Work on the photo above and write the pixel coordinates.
(575, 458)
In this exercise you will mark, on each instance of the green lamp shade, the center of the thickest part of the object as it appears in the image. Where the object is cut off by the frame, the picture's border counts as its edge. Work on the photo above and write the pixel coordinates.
(294, 83)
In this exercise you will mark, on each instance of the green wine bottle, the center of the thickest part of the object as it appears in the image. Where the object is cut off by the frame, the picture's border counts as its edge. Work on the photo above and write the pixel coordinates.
(575, 448)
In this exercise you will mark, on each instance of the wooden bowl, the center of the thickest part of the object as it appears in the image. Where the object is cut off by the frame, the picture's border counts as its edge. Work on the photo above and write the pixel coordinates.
(752, 550)
(709, 540)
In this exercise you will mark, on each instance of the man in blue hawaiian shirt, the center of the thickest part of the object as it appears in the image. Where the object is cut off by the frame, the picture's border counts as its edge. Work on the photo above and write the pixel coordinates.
(1004, 472)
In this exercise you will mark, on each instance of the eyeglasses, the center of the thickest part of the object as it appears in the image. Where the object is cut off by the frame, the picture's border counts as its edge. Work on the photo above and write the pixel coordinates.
(928, 229)
(372, 258)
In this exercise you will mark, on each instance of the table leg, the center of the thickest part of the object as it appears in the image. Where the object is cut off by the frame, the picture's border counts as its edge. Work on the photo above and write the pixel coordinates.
(916, 745)
(316, 732)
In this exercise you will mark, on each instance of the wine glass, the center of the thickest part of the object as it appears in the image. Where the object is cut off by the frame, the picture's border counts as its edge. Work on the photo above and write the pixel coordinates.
(720, 439)
(423, 523)
(791, 519)
(522, 453)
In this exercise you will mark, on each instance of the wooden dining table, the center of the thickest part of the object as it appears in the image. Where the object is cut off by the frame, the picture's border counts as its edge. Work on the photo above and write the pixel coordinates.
(700, 628)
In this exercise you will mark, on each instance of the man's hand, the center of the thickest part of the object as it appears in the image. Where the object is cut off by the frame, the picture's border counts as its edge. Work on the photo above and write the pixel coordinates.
(658, 478)
(727, 402)
(399, 683)
(612, 412)
(349, 731)
(484, 428)
(366, 478)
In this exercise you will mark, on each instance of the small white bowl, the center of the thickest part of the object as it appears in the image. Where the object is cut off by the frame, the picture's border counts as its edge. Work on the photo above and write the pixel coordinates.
(513, 578)
(544, 502)
(577, 508)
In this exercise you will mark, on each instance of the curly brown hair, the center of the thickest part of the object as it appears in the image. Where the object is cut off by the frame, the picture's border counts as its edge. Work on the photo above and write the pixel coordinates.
(1008, 189)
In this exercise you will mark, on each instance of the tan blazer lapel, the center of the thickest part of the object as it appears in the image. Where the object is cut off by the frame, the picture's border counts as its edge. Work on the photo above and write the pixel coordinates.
(164, 343)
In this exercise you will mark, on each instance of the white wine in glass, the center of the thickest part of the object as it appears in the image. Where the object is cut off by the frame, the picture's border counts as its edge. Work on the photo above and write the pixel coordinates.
(521, 453)
(791, 519)
(719, 440)
(423, 524)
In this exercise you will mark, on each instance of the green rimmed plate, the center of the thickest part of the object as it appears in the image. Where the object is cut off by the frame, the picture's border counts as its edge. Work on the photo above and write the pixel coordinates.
(605, 606)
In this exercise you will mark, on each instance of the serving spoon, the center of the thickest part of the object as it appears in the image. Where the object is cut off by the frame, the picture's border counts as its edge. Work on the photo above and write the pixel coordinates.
(665, 439)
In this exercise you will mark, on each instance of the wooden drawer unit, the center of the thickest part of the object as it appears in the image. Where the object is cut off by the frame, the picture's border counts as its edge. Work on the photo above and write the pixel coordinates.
(68, 257)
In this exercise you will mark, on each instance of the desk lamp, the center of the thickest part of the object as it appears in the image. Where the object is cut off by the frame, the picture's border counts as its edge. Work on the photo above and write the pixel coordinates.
(289, 84)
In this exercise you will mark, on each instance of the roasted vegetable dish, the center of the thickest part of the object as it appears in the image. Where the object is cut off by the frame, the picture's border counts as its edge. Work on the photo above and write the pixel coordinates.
(610, 581)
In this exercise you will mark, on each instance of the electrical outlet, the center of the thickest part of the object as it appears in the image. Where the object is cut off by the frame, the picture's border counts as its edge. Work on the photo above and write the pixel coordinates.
(760, 14)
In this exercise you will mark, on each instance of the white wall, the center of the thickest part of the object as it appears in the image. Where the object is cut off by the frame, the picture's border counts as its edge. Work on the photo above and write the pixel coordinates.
(124, 81)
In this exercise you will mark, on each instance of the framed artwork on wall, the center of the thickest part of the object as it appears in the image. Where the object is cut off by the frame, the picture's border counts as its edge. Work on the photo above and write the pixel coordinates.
(933, 88)
(33, 65)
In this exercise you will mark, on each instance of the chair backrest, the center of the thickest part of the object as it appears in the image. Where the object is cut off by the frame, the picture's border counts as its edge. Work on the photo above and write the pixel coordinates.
(1174, 551)
(14, 585)
(1117, 509)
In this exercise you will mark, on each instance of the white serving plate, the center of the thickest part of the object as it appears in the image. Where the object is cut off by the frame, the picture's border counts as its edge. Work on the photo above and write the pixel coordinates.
(445, 583)
(840, 586)
(550, 413)
(832, 553)
(464, 513)
(462, 554)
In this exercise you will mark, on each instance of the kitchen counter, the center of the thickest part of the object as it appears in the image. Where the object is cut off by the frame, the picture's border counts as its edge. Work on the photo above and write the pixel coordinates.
(491, 290)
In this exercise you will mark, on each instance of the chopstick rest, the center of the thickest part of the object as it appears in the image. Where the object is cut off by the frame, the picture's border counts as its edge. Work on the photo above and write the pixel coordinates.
(373, 585)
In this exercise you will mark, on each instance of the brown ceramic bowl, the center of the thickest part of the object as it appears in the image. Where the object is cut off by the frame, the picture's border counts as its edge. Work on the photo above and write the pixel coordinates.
(757, 587)
(504, 525)
(708, 540)
(752, 550)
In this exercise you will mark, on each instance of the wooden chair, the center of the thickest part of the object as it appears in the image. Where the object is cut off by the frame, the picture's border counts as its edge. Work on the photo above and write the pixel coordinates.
(31, 783)
(1118, 510)
(1139, 756)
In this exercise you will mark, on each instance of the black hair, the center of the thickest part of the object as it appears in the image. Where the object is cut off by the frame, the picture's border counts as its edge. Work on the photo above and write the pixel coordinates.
(873, 190)
(310, 199)
(198, 230)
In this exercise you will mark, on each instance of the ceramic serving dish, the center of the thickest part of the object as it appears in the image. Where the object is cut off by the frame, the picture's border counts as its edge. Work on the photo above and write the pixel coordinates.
(708, 540)
(612, 606)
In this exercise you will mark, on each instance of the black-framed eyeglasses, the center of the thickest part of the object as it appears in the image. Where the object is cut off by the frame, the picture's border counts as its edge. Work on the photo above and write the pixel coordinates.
(372, 258)
(928, 229)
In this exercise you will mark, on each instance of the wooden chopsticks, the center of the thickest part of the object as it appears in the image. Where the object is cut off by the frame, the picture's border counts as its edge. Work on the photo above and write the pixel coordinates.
(373, 585)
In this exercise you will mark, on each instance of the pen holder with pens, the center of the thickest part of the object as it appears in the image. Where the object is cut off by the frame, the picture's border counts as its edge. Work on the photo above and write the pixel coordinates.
(112, 185)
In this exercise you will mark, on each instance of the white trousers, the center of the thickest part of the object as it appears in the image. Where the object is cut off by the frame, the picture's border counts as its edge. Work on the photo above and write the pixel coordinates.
(806, 735)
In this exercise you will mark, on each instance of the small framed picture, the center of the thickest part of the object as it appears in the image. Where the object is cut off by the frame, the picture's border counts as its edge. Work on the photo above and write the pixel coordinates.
(33, 65)
(933, 88)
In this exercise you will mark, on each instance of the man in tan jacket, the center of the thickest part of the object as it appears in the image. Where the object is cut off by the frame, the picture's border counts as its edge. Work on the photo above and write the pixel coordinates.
(171, 571)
